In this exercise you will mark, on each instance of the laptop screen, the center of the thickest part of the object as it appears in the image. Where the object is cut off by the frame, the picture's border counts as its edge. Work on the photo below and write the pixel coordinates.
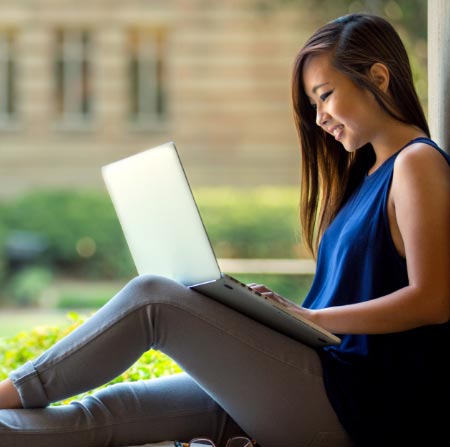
(159, 216)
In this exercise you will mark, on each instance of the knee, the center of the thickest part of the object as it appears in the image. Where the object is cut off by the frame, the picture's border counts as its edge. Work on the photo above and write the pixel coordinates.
(147, 284)
(144, 289)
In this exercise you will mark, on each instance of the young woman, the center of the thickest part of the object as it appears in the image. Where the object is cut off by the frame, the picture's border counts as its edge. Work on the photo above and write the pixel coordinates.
(376, 199)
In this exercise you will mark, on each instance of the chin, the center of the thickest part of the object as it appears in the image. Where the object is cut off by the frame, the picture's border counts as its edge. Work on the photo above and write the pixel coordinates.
(351, 146)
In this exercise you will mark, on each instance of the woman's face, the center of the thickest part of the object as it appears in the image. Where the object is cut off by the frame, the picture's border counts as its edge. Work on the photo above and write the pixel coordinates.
(349, 113)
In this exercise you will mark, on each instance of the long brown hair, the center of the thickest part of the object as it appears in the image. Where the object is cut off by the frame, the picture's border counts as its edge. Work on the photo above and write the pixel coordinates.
(329, 173)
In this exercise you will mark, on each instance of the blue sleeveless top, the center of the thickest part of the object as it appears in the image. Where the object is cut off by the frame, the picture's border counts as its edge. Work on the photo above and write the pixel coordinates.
(385, 388)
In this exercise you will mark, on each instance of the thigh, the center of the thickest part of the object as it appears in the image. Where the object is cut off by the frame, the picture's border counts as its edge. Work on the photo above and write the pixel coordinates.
(270, 384)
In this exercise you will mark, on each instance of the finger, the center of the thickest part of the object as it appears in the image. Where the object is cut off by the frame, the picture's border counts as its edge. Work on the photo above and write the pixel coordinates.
(258, 287)
(263, 290)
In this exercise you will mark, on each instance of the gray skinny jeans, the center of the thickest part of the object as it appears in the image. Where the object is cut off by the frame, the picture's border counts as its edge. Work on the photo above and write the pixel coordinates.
(240, 377)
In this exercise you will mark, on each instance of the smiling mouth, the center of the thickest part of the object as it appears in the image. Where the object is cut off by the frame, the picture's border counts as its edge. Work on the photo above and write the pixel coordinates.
(337, 131)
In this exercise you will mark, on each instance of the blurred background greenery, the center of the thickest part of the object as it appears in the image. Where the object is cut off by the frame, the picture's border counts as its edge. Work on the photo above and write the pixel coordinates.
(74, 237)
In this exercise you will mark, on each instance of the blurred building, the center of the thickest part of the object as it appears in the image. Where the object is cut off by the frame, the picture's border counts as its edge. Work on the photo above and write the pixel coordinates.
(85, 82)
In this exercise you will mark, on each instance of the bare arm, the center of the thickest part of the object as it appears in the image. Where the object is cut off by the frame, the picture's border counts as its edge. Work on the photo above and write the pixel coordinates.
(419, 214)
(420, 222)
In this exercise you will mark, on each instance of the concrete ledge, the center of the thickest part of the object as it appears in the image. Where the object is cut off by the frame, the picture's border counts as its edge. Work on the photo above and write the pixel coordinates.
(268, 266)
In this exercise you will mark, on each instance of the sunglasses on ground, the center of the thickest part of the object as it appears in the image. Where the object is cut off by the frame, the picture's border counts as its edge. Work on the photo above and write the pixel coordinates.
(238, 441)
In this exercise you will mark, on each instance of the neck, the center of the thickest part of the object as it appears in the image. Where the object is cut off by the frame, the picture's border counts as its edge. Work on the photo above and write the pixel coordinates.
(394, 137)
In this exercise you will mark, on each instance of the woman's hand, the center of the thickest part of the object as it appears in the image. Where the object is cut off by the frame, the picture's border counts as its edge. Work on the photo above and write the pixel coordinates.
(263, 290)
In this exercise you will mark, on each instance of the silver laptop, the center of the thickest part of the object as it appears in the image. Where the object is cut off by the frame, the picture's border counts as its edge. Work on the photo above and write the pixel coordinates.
(166, 236)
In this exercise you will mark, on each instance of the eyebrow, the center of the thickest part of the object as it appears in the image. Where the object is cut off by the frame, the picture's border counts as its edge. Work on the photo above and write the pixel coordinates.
(318, 86)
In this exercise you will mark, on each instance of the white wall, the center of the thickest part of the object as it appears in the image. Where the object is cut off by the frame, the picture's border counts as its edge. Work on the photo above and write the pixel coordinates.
(439, 71)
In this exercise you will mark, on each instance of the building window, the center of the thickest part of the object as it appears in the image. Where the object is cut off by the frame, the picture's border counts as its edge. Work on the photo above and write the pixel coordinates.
(148, 102)
(73, 78)
(8, 78)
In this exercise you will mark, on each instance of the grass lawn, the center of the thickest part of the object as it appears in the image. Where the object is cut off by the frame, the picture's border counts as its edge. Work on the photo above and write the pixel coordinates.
(62, 296)
(13, 321)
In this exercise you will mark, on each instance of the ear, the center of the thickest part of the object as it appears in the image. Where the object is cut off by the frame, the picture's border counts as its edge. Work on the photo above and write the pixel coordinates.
(380, 76)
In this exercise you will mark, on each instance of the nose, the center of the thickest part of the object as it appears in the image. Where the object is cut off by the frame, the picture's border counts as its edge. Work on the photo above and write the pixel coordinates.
(322, 117)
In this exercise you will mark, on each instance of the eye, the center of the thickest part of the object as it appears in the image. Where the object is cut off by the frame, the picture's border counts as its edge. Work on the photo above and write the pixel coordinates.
(325, 95)
(313, 106)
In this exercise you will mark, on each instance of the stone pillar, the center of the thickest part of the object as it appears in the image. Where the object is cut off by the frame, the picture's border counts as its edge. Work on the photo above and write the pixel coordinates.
(439, 71)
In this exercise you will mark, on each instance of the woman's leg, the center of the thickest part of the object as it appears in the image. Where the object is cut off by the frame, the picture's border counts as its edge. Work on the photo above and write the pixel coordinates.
(270, 384)
(124, 414)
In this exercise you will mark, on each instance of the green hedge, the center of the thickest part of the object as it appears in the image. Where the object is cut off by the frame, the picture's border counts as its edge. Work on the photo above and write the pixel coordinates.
(84, 236)
(80, 229)
(84, 239)
(25, 346)
(252, 223)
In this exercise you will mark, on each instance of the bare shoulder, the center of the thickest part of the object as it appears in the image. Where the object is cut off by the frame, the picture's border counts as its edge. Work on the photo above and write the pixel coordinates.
(419, 204)
(422, 162)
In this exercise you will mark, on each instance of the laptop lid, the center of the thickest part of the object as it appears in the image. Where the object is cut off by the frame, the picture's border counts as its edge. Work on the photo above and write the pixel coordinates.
(159, 216)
